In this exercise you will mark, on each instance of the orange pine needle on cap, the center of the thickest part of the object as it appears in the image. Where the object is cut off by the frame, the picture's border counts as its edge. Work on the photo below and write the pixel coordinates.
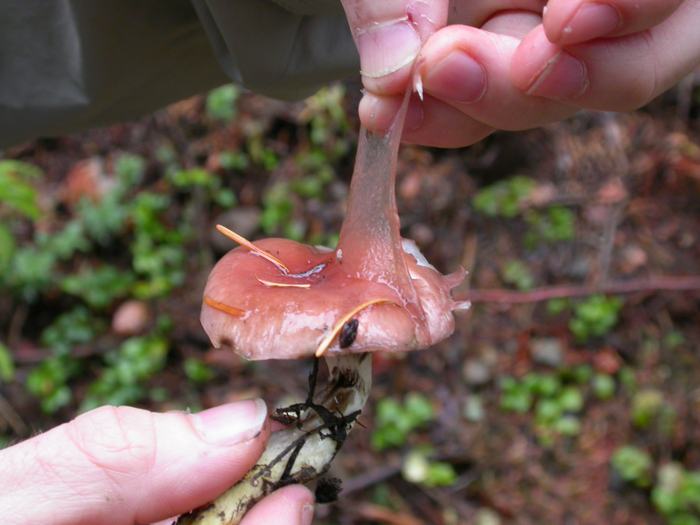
(236, 312)
(247, 244)
(339, 325)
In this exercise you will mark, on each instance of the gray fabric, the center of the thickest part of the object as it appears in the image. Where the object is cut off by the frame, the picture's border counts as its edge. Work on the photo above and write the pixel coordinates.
(69, 65)
(311, 7)
(274, 51)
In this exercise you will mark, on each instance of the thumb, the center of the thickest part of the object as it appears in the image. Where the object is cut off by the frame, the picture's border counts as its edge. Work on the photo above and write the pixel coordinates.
(389, 35)
(114, 466)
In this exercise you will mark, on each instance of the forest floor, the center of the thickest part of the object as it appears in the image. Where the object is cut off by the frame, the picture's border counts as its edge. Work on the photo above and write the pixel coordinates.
(569, 393)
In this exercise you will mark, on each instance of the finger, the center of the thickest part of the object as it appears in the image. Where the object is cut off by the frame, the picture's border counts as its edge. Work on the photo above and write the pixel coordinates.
(617, 74)
(469, 92)
(123, 465)
(293, 505)
(568, 22)
(469, 69)
(429, 122)
(477, 14)
(389, 35)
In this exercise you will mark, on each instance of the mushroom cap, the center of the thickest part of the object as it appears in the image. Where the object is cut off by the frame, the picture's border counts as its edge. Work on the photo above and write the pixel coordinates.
(289, 322)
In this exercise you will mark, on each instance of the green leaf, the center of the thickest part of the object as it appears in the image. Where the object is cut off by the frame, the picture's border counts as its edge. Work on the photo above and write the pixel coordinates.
(233, 160)
(221, 103)
(419, 407)
(30, 271)
(633, 464)
(18, 195)
(130, 169)
(571, 399)
(7, 364)
(603, 386)
(516, 273)
(193, 177)
(8, 244)
(197, 371)
(99, 287)
(226, 198)
(504, 198)
(63, 244)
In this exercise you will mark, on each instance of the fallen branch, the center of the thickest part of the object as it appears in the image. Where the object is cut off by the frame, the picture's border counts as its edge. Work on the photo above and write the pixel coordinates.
(652, 284)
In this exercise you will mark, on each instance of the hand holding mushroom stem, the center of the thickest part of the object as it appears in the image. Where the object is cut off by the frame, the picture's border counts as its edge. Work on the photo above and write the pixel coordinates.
(278, 299)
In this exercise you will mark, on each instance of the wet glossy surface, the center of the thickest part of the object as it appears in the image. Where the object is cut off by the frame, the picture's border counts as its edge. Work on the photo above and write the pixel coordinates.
(371, 262)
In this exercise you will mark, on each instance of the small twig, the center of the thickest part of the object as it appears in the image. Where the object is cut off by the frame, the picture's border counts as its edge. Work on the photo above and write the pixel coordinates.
(376, 513)
(371, 478)
(652, 284)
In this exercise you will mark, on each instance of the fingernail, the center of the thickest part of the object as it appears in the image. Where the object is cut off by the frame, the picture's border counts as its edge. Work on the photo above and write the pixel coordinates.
(387, 48)
(591, 20)
(232, 423)
(561, 77)
(307, 514)
(457, 77)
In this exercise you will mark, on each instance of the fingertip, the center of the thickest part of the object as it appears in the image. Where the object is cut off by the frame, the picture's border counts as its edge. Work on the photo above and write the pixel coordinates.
(377, 114)
(591, 20)
(292, 505)
(568, 22)
(543, 69)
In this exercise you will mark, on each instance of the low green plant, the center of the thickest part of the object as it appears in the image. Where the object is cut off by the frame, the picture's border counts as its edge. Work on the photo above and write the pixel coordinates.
(221, 103)
(16, 191)
(8, 245)
(395, 420)
(551, 225)
(676, 494)
(234, 160)
(673, 339)
(197, 371)
(650, 410)
(516, 273)
(596, 316)
(555, 398)
(121, 381)
(419, 468)
(7, 364)
(603, 386)
(557, 305)
(327, 117)
(200, 178)
(48, 381)
(504, 198)
(633, 464)
(278, 207)
(106, 219)
(99, 287)
(157, 249)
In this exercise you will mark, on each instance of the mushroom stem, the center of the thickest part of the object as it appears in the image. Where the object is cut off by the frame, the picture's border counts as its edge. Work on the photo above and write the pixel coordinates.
(304, 450)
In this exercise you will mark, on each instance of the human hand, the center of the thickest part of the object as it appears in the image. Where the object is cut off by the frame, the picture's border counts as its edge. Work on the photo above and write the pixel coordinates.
(499, 65)
(114, 466)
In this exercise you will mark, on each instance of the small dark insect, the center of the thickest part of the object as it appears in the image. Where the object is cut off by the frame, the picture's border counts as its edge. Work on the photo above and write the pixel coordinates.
(348, 333)
(327, 490)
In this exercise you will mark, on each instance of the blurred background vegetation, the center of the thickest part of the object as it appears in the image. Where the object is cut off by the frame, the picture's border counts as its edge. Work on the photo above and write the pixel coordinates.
(554, 403)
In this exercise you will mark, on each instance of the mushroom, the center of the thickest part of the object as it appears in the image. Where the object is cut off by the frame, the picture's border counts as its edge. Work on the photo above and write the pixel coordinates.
(278, 299)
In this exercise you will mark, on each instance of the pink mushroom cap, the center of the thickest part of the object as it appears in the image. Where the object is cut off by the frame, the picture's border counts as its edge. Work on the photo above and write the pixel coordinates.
(300, 301)
(290, 322)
